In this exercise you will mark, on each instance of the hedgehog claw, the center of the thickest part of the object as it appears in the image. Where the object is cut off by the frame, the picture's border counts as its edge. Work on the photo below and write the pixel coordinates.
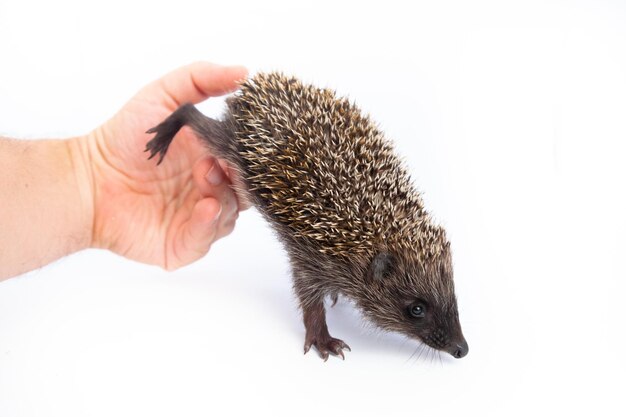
(327, 346)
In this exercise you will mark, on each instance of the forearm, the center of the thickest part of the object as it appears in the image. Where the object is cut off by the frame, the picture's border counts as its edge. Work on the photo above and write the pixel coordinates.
(46, 211)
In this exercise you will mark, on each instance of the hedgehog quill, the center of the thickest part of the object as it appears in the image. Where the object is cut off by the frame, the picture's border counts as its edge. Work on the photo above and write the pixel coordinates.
(330, 184)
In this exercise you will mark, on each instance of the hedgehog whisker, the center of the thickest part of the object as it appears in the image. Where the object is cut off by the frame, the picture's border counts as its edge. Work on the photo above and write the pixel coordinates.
(412, 354)
(422, 349)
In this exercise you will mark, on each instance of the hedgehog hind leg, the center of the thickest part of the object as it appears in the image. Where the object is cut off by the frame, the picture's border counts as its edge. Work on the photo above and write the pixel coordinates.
(218, 136)
(165, 132)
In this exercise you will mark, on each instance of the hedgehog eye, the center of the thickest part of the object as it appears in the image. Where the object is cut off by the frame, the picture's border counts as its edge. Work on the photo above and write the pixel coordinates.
(417, 310)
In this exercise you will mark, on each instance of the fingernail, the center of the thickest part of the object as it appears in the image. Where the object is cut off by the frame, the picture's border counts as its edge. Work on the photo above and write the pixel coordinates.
(244, 76)
(215, 175)
(217, 216)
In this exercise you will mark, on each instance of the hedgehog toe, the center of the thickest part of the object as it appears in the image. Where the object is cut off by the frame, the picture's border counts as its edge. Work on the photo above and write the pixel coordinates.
(327, 346)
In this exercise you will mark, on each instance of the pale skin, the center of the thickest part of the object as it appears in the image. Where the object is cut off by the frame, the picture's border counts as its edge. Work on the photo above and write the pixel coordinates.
(99, 190)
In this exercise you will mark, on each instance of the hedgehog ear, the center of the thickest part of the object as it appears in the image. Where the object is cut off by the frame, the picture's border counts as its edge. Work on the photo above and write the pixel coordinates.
(380, 267)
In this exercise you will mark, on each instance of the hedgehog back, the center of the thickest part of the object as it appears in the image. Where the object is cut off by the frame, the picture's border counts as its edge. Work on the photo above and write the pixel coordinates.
(319, 166)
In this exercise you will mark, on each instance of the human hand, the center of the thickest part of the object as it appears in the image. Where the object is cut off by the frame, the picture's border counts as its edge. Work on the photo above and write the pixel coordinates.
(171, 214)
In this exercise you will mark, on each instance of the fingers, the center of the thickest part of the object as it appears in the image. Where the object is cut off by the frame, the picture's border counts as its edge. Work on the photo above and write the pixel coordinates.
(211, 181)
(196, 82)
(196, 235)
(207, 180)
(212, 217)
(237, 186)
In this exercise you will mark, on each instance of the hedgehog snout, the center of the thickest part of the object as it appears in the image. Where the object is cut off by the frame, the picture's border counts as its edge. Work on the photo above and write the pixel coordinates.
(458, 349)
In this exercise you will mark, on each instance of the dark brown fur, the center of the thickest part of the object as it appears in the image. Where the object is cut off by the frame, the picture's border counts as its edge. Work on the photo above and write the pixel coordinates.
(341, 202)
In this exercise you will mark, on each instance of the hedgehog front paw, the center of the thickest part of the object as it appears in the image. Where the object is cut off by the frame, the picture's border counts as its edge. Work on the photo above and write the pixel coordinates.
(325, 346)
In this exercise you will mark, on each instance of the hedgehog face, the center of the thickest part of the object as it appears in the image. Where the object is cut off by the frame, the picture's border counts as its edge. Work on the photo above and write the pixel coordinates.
(416, 299)
(436, 325)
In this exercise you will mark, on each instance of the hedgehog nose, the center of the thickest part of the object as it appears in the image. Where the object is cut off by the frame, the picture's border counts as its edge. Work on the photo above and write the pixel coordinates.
(460, 350)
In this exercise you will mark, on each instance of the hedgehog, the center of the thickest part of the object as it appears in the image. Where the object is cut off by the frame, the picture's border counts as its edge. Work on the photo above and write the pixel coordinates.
(329, 182)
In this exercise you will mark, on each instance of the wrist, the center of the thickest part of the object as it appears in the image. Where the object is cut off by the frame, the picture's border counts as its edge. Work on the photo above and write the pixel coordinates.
(83, 184)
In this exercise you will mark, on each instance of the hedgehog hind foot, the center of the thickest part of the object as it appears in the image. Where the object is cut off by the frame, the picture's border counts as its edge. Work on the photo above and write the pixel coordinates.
(165, 132)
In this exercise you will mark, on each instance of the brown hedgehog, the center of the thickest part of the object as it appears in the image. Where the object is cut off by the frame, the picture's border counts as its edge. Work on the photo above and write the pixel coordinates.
(342, 203)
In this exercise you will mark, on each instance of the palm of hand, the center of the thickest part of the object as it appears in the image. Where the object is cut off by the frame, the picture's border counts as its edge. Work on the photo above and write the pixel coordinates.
(165, 215)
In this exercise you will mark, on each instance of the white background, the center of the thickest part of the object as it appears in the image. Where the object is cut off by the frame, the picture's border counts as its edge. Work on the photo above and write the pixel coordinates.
(511, 116)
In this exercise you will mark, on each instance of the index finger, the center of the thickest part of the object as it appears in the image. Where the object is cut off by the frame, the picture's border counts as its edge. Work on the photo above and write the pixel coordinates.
(219, 186)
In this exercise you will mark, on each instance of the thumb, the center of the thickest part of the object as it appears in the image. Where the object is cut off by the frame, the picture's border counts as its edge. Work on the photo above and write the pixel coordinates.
(194, 237)
(194, 83)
